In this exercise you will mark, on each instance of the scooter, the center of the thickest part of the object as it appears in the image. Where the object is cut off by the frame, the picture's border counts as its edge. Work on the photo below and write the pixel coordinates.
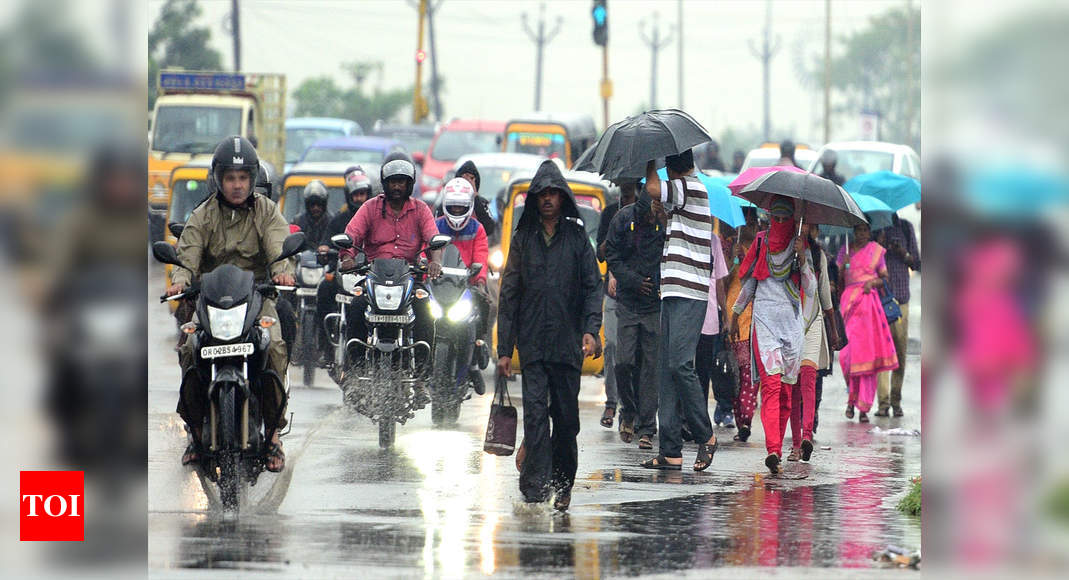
(310, 274)
(230, 343)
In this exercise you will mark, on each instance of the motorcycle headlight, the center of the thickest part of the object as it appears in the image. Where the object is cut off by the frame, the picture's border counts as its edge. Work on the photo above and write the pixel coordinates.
(311, 276)
(497, 259)
(436, 309)
(460, 311)
(226, 323)
(388, 297)
(349, 282)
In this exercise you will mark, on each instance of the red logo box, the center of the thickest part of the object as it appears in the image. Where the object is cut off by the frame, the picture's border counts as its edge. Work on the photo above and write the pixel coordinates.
(51, 506)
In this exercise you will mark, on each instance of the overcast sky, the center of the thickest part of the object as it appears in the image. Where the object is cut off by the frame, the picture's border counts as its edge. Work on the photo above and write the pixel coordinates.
(488, 60)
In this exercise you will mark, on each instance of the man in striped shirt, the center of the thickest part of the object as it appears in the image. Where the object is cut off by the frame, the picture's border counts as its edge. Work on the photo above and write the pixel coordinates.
(683, 205)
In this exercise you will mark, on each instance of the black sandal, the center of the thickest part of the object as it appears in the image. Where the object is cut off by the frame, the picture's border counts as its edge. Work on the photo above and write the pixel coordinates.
(274, 451)
(660, 462)
(705, 455)
(607, 417)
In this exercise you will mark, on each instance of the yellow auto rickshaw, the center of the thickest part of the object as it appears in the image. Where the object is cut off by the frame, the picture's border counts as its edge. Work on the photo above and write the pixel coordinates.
(188, 187)
(592, 194)
(291, 201)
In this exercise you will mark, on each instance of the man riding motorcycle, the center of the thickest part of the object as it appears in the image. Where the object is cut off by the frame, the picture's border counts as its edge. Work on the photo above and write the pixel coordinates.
(315, 220)
(393, 225)
(240, 227)
(357, 191)
(469, 236)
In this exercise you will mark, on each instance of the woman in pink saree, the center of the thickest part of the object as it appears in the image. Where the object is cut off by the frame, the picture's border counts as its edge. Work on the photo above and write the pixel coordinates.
(870, 349)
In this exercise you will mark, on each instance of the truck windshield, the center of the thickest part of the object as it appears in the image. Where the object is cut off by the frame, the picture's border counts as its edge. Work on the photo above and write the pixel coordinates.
(185, 129)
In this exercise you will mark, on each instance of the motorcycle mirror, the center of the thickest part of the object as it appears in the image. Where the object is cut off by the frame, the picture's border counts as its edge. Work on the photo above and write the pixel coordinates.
(165, 253)
(438, 242)
(290, 246)
(342, 241)
(474, 268)
(176, 229)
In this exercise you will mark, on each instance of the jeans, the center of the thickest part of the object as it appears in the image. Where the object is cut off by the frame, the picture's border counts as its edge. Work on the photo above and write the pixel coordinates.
(637, 346)
(681, 325)
(609, 322)
(890, 395)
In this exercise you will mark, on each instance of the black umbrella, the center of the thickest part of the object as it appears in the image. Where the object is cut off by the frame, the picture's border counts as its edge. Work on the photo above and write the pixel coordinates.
(823, 202)
(625, 146)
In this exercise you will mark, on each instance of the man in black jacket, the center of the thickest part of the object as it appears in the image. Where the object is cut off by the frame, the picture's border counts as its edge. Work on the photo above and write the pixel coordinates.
(551, 312)
(633, 250)
(482, 206)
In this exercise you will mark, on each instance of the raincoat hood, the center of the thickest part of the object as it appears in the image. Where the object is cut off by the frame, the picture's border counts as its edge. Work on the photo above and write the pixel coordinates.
(469, 167)
(548, 176)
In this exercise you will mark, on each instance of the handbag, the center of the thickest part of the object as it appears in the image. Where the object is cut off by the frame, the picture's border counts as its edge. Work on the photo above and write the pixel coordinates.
(501, 427)
(890, 306)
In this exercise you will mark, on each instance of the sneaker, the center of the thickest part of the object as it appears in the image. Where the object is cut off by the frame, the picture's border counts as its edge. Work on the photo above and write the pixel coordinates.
(729, 420)
(794, 454)
(717, 416)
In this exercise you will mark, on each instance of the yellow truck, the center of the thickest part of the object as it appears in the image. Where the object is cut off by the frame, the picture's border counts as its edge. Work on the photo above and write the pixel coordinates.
(196, 109)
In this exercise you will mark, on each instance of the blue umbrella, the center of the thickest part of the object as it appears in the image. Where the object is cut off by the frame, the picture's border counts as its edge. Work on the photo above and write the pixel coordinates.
(1016, 192)
(722, 205)
(897, 191)
(878, 212)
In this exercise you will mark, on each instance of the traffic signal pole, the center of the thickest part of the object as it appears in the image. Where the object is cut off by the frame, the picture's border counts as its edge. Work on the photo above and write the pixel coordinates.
(599, 12)
(418, 105)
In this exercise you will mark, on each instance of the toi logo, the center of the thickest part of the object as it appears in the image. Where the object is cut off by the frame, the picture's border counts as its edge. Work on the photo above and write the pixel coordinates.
(51, 506)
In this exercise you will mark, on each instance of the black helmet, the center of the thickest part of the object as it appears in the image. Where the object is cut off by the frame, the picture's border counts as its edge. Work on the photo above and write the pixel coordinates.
(234, 152)
(265, 180)
(315, 193)
(398, 164)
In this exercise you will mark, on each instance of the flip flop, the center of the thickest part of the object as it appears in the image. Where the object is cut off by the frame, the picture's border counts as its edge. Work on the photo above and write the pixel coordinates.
(607, 417)
(661, 463)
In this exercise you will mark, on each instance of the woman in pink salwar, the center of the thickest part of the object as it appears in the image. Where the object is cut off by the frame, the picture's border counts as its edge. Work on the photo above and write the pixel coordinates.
(870, 349)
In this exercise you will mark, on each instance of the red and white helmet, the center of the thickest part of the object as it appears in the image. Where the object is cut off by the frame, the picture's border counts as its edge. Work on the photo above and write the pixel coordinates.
(458, 202)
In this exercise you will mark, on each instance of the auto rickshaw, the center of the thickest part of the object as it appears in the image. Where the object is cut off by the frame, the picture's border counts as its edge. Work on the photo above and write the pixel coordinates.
(592, 194)
(188, 187)
(291, 201)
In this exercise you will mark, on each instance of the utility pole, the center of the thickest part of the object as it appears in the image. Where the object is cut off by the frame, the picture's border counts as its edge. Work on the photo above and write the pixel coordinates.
(599, 12)
(679, 6)
(909, 73)
(235, 30)
(768, 50)
(431, 9)
(419, 104)
(541, 39)
(655, 44)
(827, 71)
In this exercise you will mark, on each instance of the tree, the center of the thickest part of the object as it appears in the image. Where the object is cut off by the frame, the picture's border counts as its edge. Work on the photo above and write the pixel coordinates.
(175, 42)
(879, 70)
(322, 97)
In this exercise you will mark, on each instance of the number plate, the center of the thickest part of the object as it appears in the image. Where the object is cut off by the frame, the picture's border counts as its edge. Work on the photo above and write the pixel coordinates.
(343, 298)
(240, 349)
(390, 318)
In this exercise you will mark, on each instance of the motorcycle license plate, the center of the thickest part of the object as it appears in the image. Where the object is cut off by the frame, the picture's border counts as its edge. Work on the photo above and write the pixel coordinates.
(240, 349)
(389, 318)
(306, 291)
(343, 298)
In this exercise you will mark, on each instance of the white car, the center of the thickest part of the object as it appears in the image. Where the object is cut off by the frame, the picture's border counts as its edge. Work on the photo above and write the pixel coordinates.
(768, 156)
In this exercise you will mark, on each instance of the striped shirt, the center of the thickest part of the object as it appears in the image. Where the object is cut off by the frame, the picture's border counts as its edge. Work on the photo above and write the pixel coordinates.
(685, 267)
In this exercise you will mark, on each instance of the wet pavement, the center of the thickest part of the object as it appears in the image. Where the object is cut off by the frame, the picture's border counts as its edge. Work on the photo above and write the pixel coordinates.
(438, 506)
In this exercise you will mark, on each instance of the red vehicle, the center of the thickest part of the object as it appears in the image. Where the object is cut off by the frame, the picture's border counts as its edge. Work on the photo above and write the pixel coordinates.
(455, 139)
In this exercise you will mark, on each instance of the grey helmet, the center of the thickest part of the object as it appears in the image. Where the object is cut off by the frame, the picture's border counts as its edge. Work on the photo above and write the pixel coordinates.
(398, 164)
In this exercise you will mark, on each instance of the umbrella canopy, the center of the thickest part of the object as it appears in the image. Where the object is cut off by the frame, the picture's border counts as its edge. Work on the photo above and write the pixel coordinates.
(747, 177)
(625, 146)
(897, 191)
(823, 202)
(722, 205)
(878, 213)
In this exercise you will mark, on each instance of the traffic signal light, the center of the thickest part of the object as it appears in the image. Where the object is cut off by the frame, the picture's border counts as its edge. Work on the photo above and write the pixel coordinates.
(601, 23)
(420, 56)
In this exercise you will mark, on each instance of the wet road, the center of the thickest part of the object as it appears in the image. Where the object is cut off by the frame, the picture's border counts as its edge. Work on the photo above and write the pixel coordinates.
(437, 506)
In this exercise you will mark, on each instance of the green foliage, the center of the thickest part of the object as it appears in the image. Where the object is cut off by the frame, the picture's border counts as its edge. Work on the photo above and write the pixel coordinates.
(322, 97)
(911, 504)
(175, 42)
(873, 71)
(1058, 503)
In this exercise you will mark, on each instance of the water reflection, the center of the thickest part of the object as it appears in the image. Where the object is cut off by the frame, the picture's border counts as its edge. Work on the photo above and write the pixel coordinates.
(212, 542)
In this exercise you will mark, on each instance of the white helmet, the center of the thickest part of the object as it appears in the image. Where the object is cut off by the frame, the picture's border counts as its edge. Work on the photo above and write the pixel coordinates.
(458, 202)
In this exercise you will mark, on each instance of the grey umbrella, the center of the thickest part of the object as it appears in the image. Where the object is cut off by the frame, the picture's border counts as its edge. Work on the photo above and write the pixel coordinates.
(823, 202)
(625, 146)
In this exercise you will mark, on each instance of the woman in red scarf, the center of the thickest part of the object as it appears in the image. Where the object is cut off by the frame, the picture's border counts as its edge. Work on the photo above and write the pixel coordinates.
(775, 280)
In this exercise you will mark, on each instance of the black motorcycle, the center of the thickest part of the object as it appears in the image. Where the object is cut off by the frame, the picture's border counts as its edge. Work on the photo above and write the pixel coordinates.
(306, 348)
(230, 343)
(378, 373)
(456, 321)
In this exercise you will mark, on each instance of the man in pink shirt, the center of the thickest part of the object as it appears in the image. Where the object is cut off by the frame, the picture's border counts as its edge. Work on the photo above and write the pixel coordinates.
(393, 225)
